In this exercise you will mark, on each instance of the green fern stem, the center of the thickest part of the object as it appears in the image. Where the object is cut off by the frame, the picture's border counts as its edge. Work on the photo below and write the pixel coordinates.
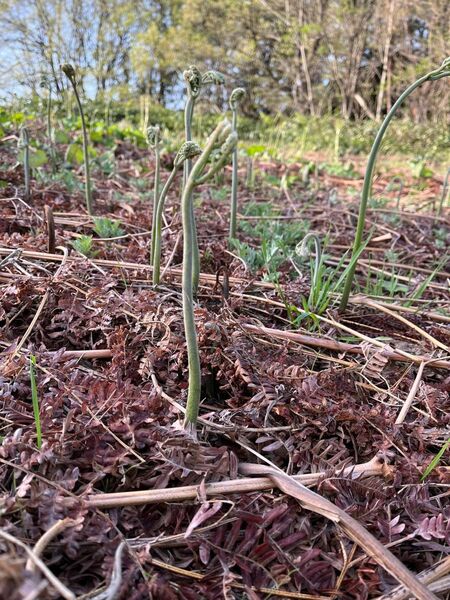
(69, 71)
(442, 71)
(194, 387)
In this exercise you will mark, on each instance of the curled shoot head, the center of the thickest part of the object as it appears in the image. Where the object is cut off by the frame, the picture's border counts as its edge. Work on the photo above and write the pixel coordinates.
(23, 140)
(193, 79)
(442, 71)
(187, 151)
(69, 71)
(302, 248)
(213, 78)
(236, 97)
(153, 135)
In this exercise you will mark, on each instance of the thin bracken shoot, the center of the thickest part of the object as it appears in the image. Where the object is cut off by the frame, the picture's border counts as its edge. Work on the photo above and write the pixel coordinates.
(196, 177)
(46, 84)
(188, 151)
(235, 99)
(24, 144)
(444, 194)
(194, 82)
(153, 139)
(69, 71)
(435, 75)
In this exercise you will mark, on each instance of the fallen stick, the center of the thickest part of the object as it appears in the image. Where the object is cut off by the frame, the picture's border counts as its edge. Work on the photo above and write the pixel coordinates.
(341, 346)
(429, 576)
(376, 466)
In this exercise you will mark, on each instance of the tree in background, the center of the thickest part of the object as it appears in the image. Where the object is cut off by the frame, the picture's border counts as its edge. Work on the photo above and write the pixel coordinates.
(349, 57)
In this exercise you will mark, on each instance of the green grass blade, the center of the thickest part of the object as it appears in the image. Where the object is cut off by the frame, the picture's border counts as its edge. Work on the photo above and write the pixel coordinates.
(35, 401)
(434, 463)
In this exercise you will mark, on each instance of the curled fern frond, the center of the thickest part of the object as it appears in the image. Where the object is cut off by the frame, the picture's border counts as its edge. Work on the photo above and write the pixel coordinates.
(153, 135)
(193, 79)
(23, 140)
(236, 97)
(187, 151)
(213, 78)
(229, 144)
(442, 71)
(68, 70)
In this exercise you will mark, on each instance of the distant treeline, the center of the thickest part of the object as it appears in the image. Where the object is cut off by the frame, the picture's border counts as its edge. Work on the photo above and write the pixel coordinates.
(347, 57)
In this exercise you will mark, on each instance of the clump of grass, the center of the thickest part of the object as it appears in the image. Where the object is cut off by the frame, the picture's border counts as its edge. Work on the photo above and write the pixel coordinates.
(85, 245)
(69, 71)
(35, 401)
(107, 228)
(235, 99)
(439, 73)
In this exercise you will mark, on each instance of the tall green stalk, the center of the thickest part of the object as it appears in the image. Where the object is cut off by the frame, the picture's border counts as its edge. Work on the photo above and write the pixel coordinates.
(442, 71)
(45, 84)
(69, 71)
(187, 151)
(194, 83)
(24, 144)
(196, 177)
(235, 99)
(153, 139)
(444, 194)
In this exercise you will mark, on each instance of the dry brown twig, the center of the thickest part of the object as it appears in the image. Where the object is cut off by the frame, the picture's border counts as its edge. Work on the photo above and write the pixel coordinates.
(429, 576)
(53, 580)
(46, 538)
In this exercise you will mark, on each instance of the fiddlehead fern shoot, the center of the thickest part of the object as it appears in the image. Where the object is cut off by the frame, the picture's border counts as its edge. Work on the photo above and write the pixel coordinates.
(196, 176)
(187, 152)
(235, 99)
(45, 84)
(153, 139)
(24, 144)
(69, 71)
(194, 82)
(436, 74)
(302, 251)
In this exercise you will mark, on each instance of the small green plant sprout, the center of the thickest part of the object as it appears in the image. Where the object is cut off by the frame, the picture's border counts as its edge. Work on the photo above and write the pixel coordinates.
(444, 194)
(69, 71)
(35, 401)
(45, 83)
(302, 250)
(235, 99)
(153, 140)
(435, 75)
(396, 182)
(84, 245)
(24, 146)
(107, 228)
(436, 460)
(196, 176)
(188, 151)
(194, 82)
